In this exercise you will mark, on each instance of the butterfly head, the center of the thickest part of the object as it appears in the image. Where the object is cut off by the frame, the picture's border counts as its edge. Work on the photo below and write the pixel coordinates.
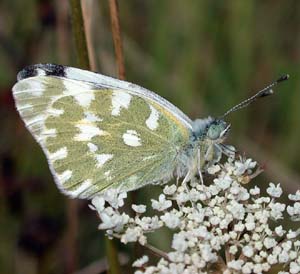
(217, 131)
(211, 129)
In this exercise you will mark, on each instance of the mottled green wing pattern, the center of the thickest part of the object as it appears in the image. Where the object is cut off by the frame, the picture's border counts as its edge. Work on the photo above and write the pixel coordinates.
(99, 138)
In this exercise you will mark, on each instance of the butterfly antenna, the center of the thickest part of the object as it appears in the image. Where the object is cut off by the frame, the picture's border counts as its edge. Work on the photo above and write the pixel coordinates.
(262, 93)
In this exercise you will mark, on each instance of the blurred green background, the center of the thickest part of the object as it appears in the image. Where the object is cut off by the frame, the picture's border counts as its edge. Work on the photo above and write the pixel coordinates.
(203, 56)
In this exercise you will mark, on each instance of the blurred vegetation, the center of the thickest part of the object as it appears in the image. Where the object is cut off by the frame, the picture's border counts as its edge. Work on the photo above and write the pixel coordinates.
(203, 56)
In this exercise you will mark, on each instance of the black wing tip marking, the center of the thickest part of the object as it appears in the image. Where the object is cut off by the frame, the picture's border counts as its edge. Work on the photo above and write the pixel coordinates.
(42, 69)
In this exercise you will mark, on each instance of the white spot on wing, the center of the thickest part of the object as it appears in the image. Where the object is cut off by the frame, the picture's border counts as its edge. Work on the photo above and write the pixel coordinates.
(84, 99)
(35, 87)
(131, 138)
(152, 121)
(82, 92)
(103, 158)
(40, 72)
(65, 176)
(92, 147)
(91, 117)
(120, 99)
(88, 131)
(55, 112)
(107, 175)
(79, 191)
(59, 154)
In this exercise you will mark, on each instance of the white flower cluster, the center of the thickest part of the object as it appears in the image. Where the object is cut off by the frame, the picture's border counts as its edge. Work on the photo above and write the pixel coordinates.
(217, 227)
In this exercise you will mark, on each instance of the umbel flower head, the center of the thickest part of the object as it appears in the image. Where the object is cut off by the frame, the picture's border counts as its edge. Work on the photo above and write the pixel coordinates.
(217, 227)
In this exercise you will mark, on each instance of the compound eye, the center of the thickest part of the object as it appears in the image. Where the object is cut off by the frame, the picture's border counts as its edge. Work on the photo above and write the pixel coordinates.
(213, 132)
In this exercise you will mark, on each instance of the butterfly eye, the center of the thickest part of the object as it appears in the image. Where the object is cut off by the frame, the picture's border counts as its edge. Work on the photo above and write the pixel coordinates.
(214, 132)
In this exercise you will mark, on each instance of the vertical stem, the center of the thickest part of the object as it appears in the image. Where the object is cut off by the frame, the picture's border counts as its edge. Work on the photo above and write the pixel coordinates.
(79, 34)
(83, 59)
(83, 62)
(112, 255)
(72, 232)
(62, 30)
(116, 33)
(88, 19)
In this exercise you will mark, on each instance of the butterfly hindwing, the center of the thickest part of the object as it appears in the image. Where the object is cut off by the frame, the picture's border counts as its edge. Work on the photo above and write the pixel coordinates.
(97, 137)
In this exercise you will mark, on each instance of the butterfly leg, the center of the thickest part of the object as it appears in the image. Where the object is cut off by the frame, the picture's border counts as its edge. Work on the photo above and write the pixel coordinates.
(199, 165)
(184, 183)
(186, 179)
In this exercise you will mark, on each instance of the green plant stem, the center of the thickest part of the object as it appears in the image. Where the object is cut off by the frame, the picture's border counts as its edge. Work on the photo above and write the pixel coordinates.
(112, 256)
(79, 34)
(83, 60)
(157, 252)
(118, 46)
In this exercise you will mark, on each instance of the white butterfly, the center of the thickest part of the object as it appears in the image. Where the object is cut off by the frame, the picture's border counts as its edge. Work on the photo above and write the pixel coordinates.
(98, 132)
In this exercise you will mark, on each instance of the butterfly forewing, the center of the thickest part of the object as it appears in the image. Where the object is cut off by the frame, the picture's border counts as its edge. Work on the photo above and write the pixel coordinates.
(97, 138)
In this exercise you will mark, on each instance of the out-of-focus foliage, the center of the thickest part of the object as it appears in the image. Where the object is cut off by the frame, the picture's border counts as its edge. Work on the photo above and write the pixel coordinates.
(203, 56)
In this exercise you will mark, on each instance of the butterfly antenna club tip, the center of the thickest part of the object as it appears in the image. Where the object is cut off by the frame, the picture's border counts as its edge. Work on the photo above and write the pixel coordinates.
(283, 78)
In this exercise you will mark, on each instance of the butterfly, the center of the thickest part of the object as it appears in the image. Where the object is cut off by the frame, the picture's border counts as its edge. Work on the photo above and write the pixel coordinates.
(100, 133)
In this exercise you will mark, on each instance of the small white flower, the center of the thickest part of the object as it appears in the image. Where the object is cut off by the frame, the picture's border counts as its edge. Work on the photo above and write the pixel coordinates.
(141, 261)
(255, 191)
(295, 197)
(113, 220)
(269, 242)
(247, 268)
(236, 264)
(194, 195)
(239, 227)
(162, 204)
(283, 257)
(139, 208)
(98, 203)
(248, 251)
(171, 220)
(292, 234)
(294, 210)
(201, 231)
(213, 189)
(242, 166)
(213, 169)
(223, 183)
(272, 259)
(258, 245)
(207, 254)
(277, 210)
(237, 210)
(182, 197)
(179, 242)
(233, 249)
(131, 235)
(170, 190)
(274, 191)
(250, 222)
(279, 231)
(114, 198)
(214, 220)
(294, 268)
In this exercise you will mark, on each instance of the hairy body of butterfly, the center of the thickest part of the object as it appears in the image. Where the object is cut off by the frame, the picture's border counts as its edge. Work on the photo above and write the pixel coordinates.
(99, 132)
